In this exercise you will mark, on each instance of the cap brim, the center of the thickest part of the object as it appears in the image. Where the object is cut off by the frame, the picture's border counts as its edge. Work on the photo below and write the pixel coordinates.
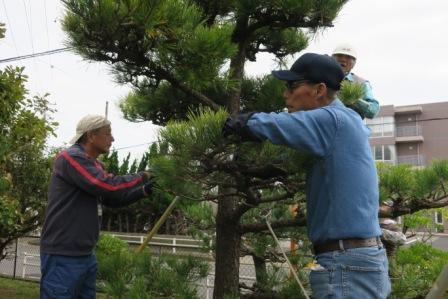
(287, 75)
(75, 139)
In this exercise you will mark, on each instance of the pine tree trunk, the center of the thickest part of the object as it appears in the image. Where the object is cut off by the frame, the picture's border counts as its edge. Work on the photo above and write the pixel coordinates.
(228, 241)
(261, 272)
(119, 223)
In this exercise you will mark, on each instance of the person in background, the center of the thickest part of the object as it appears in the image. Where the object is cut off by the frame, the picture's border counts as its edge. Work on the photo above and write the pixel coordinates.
(79, 186)
(368, 106)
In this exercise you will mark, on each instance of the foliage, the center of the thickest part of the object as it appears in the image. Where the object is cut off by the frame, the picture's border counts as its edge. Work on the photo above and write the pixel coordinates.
(122, 273)
(350, 92)
(142, 215)
(25, 124)
(415, 270)
(185, 61)
(2, 30)
(423, 220)
(410, 189)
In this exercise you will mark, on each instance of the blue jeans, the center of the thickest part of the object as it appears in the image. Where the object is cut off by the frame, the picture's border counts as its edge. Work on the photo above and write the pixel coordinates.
(67, 277)
(353, 273)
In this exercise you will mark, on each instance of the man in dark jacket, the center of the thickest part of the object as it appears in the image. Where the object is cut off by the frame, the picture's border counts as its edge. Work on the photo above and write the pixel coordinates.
(79, 186)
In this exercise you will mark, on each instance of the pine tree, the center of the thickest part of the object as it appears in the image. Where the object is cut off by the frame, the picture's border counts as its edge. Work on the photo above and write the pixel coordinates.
(185, 61)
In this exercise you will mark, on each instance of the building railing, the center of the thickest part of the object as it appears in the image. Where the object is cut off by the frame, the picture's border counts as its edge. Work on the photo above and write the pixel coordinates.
(414, 160)
(406, 131)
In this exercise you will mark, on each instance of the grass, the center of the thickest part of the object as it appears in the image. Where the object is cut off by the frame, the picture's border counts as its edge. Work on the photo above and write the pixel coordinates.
(21, 289)
(18, 289)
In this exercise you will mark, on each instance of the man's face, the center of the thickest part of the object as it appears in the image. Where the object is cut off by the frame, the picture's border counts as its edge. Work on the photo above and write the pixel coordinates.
(303, 95)
(101, 139)
(346, 62)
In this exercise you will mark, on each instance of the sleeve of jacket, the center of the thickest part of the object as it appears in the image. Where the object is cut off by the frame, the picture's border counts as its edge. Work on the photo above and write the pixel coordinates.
(91, 178)
(311, 131)
(374, 106)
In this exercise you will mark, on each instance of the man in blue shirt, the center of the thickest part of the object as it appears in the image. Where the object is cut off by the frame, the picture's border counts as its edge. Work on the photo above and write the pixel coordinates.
(346, 56)
(342, 185)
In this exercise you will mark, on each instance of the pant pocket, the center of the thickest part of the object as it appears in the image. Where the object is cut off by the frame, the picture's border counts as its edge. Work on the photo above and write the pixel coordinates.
(365, 282)
(52, 290)
(320, 281)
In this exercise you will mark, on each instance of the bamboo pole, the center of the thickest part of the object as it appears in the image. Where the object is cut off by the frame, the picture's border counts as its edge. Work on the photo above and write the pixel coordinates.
(440, 286)
(158, 224)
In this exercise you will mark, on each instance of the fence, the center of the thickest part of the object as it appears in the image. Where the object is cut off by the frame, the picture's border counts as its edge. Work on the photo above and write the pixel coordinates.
(23, 258)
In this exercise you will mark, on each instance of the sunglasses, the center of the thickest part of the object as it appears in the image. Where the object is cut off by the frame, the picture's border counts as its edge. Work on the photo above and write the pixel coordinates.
(291, 85)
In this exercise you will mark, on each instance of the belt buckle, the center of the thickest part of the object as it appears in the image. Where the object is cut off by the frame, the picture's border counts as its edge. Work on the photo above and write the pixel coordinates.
(341, 245)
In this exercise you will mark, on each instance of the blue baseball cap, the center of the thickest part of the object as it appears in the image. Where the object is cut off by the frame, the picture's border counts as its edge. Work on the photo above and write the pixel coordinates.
(315, 68)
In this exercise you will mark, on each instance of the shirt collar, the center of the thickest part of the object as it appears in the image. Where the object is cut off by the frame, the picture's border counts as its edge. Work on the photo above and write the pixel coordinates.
(337, 103)
(349, 77)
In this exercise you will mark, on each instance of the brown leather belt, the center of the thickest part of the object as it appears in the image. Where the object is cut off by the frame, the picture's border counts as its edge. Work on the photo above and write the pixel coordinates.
(344, 244)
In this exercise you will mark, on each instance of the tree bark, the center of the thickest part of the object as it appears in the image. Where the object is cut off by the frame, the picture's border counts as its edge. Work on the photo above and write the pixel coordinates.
(228, 241)
(261, 272)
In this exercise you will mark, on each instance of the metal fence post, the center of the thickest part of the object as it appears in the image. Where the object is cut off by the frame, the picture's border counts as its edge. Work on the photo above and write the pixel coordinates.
(15, 258)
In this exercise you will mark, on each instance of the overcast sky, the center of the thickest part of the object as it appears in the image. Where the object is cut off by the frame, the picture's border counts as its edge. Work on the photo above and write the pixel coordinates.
(402, 50)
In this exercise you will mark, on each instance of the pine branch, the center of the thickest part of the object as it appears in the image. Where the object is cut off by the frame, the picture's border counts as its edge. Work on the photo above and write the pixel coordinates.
(283, 22)
(280, 197)
(412, 207)
(259, 227)
(187, 90)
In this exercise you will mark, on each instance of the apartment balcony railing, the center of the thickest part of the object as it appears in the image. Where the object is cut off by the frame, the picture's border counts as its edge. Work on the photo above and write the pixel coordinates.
(414, 160)
(407, 131)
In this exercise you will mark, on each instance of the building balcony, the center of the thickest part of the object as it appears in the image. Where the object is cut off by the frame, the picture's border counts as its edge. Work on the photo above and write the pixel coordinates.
(414, 160)
(408, 110)
(409, 134)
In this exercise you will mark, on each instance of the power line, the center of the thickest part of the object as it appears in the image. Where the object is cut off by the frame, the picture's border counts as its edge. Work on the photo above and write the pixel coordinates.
(135, 145)
(51, 52)
(28, 24)
(10, 28)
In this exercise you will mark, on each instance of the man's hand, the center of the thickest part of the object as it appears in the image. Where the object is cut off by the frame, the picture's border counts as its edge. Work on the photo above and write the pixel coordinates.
(147, 188)
(237, 125)
(148, 175)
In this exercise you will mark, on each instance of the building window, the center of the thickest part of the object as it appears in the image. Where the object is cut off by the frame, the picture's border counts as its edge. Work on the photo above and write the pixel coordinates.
(381, 126)
(438, 217)
(384, 153)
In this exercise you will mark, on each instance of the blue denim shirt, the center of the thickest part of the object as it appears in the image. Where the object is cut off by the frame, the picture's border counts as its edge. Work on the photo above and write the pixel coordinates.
(373, 106)
(342, 186)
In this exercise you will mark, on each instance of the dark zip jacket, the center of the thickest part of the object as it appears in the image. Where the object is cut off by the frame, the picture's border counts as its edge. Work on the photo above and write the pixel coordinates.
(78, 187)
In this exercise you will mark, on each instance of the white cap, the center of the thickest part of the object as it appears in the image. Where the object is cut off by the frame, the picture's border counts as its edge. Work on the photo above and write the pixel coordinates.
(345, 49)
(88, 123)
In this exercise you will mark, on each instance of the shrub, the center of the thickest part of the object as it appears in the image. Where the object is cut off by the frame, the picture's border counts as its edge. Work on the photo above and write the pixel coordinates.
(415, 269)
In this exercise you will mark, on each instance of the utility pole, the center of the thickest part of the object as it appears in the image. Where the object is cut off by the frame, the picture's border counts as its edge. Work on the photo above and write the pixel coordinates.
(106, 112)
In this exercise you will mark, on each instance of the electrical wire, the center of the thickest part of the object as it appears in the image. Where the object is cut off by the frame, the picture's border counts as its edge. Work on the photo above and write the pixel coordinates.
(136, 145)
(48, 41)
(28, 24)
(51, 52)
(10, 28)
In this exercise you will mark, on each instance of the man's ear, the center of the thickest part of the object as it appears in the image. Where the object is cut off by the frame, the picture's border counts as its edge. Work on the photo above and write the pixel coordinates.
(321, 90)
(89, 136)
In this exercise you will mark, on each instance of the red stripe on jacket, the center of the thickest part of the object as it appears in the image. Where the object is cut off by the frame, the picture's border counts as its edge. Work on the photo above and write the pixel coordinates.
(96, 181)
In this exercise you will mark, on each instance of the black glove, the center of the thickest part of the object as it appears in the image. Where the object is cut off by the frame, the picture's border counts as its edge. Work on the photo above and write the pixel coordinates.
(147, 188)
(237, 125)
